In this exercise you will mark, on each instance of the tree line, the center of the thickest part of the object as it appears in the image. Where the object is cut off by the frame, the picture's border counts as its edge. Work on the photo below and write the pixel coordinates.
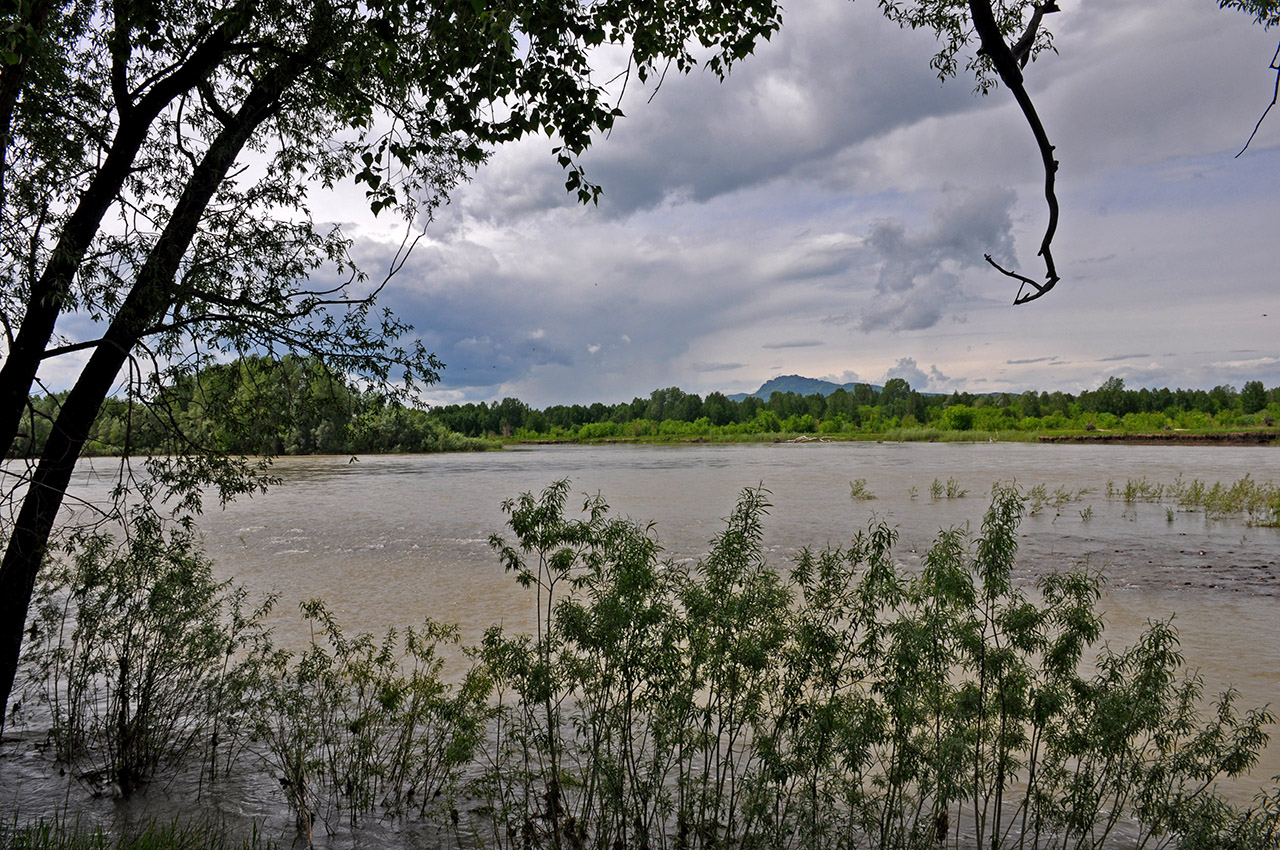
(254, 406)
(673, 412)
(261, 406)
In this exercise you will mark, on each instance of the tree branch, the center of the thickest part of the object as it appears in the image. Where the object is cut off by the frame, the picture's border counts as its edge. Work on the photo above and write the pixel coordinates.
(1006, 65)
(1275, 95)
(1040, 288)
(68, 349)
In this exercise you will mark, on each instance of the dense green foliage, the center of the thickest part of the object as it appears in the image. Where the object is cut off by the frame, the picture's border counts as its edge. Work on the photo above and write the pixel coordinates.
(896, 410)
(254, 406)
(841, 703)
(263, 407)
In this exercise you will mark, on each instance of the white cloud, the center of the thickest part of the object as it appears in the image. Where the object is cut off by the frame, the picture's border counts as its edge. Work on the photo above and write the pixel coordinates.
(907, 370)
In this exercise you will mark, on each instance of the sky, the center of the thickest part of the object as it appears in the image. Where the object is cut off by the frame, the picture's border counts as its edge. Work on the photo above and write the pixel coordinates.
(825, 212)
(826, 209)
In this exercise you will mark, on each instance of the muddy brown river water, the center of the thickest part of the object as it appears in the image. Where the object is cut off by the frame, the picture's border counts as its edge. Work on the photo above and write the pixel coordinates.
(386, 540)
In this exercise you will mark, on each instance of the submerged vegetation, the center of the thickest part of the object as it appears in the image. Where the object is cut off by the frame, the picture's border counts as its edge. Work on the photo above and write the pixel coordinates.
(1257, 502)
(59, 835)
(841, 702)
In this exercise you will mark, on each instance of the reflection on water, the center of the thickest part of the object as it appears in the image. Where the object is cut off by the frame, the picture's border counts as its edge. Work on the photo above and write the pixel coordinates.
(389, 540)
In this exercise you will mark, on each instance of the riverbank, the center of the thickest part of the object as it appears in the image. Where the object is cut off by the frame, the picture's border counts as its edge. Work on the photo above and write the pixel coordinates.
(1176, 438)
(1257, 437)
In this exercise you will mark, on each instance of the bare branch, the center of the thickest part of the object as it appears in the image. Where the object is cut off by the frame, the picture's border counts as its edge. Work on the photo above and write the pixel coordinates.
(68, 349)
(1007, 66)
(1040, 288)
(1275, 95)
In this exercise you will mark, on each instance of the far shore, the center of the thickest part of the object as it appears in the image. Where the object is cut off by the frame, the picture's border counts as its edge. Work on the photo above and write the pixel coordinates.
(1260, 437)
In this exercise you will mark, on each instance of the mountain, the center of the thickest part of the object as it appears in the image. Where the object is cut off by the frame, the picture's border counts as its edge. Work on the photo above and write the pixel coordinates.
(797, 384)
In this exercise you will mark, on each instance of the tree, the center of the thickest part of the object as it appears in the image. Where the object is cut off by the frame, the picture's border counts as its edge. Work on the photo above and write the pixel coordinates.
(1253, 397)
(159, 160)
(894, 390)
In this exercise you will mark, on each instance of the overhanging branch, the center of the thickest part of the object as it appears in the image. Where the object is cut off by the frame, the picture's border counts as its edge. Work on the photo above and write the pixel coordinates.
(1009, 68)
(1275, 95)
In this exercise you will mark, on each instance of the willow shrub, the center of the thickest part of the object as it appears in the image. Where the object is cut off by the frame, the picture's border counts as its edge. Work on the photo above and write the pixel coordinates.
(134, 651)
(357, 725)
(844, 704)
(723, 703)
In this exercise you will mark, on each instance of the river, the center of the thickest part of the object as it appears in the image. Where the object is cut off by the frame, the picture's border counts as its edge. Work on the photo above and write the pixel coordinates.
(386, 540)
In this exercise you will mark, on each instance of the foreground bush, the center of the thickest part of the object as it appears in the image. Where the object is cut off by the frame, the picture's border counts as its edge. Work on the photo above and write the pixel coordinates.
(722, 704)
(846, 705)
(136, 653)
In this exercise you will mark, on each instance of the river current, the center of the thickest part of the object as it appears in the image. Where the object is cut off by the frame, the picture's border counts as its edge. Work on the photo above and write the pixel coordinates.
(387, 540)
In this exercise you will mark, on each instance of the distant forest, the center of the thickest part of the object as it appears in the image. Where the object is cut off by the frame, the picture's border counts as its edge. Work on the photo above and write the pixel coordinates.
(254, 406)
(866, 410)
(261, 406)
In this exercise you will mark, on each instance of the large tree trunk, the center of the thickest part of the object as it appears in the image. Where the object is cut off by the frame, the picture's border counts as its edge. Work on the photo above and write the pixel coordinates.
(49, 292)
(148, 301)
(30, 537)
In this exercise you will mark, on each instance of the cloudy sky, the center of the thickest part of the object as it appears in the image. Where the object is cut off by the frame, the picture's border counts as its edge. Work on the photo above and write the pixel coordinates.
(826, 210)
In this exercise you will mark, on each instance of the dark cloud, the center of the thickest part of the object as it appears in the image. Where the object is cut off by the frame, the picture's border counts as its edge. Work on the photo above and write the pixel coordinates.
(917, 282)
(801, 343)
(809, 193)
(559, 317)
(836, 75)
(1115, 357)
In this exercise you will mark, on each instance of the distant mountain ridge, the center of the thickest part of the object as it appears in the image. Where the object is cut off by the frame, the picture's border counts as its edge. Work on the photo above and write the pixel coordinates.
(798, 384)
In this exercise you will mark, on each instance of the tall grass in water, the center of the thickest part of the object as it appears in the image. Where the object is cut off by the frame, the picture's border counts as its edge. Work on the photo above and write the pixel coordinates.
(1257, 502)
(59, 835)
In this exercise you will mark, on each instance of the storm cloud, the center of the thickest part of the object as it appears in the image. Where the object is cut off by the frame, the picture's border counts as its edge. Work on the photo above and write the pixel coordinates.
(826, 210)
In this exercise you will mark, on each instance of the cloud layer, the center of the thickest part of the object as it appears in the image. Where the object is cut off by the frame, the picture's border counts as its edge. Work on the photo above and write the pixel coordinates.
(826, 210)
